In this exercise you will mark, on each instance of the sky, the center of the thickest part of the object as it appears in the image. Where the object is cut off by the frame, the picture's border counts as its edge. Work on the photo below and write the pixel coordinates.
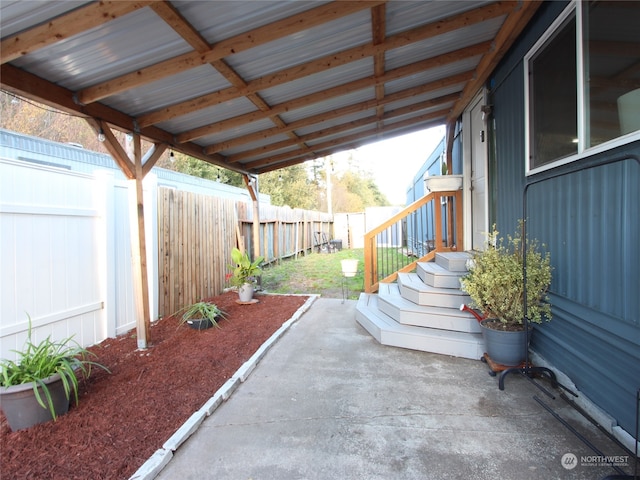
(396, 161)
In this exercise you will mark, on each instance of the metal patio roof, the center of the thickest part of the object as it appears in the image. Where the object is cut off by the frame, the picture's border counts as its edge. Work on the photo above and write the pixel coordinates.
(257, 85)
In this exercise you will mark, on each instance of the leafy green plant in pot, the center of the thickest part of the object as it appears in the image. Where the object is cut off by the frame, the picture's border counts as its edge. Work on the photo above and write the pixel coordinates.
(201, 315)
(495, 283)
(244, 273)
(38, 385)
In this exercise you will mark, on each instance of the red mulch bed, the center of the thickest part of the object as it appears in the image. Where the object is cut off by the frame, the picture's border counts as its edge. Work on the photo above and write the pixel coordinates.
(125, 416)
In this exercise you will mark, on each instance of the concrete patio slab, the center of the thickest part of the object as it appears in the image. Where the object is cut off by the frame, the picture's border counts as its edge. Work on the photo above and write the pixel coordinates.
(328, 402)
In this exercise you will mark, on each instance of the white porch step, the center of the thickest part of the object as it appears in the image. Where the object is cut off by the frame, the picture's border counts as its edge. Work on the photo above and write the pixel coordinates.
(403, 311)
(453, 261)
(416, 291)
(389, 332)
(436, 275)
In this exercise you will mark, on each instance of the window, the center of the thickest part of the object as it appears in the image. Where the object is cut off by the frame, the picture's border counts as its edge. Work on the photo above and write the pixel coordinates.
(581, 79)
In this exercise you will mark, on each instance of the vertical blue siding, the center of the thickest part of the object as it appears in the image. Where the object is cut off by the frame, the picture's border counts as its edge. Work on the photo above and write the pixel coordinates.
(590, 222)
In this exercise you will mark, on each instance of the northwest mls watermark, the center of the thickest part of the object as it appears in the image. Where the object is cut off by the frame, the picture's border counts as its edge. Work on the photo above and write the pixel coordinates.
(570, 461)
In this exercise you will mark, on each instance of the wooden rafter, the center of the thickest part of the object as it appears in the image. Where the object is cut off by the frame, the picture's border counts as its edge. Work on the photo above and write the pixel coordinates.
(347, 110)
(427, 104)
(224, 48)
(86, 102)
(66, 26)
(310, 152)
(390, 75)
(321, 64)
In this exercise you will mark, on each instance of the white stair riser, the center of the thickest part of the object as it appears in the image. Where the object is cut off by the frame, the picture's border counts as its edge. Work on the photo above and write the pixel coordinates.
(420, 319)
(473, 349)
(388, 332)
(438, 281)
(454, 261)
(452, 300)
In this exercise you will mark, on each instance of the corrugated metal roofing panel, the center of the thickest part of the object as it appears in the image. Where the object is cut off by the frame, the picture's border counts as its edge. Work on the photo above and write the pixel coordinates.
(229, 109)
(259, 143)
(115, 48)
(335, 122)
(328, 138)
(318, 42)
(442, 44)
(279, 151)
(318, 82)
(417, 99)
(185, 85)
(222, 19)
(403, 15)
(432, 75)
(246, 129)
(18, 15)
(329, 104)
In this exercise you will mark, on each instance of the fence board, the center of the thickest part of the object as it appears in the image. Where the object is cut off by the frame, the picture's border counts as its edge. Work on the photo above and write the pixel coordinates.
(197, 232)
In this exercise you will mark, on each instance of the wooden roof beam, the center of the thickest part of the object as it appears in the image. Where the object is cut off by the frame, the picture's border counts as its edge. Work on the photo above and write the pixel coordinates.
(238, 43)
(330, 61)
(375, 119)
(349, 138)
(347, 110)
(510, 30)
(35, 88)
(349, 87)
(66, 26)
(179, 24)
(317, 153)
(379, 29)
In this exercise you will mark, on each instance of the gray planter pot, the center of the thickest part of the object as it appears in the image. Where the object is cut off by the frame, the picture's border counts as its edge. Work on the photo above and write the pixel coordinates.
(245, 292)
(506, 348)
(22, 409)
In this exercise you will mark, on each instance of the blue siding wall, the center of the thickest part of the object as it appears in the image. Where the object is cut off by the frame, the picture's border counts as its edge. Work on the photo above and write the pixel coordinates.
(589, 221)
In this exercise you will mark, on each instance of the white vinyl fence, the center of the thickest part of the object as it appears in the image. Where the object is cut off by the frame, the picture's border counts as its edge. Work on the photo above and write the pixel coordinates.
(65, 254)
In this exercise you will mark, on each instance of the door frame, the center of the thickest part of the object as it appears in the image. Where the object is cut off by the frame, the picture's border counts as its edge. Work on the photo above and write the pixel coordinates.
(467, 136)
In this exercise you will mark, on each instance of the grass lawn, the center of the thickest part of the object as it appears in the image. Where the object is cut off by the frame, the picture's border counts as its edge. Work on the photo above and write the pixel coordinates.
(319, 273)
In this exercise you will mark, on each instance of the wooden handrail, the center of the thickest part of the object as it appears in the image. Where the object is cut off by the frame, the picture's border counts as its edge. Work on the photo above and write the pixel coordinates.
(453, 215)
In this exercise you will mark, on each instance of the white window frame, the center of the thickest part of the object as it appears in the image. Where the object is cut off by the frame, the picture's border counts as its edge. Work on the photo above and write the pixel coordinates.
(574, 6)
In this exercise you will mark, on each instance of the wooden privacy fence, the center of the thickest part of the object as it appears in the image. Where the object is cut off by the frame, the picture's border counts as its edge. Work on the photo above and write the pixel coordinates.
(195, 236)
(284, 232)
(197, 232)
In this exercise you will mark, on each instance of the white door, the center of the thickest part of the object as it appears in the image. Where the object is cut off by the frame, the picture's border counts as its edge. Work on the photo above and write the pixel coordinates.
(478, 179)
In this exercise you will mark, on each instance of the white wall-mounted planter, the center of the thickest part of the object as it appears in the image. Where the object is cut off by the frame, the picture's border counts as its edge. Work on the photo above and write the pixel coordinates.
(443, 183)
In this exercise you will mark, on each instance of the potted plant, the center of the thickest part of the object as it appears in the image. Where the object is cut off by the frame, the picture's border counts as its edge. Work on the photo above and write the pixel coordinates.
(495, 283)
(201, 315)
(244, 273)
(38, 385)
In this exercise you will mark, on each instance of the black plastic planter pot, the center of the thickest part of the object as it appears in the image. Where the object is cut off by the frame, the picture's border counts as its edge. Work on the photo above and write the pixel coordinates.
(505, 348)
(200, 323)
(22, 409)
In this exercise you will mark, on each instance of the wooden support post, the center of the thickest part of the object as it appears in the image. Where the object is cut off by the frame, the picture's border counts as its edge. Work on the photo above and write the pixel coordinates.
(252, 186)
(135, 167)
(139, 254)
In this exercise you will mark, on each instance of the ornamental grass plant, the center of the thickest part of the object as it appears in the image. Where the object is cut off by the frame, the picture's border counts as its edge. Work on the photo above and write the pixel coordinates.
(201, 310)
(37, 362)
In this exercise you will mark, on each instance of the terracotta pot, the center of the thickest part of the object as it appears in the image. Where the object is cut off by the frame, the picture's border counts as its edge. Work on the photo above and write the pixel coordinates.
(22, 409)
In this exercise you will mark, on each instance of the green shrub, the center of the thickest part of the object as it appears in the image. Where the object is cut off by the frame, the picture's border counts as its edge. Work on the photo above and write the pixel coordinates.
(495, 279)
